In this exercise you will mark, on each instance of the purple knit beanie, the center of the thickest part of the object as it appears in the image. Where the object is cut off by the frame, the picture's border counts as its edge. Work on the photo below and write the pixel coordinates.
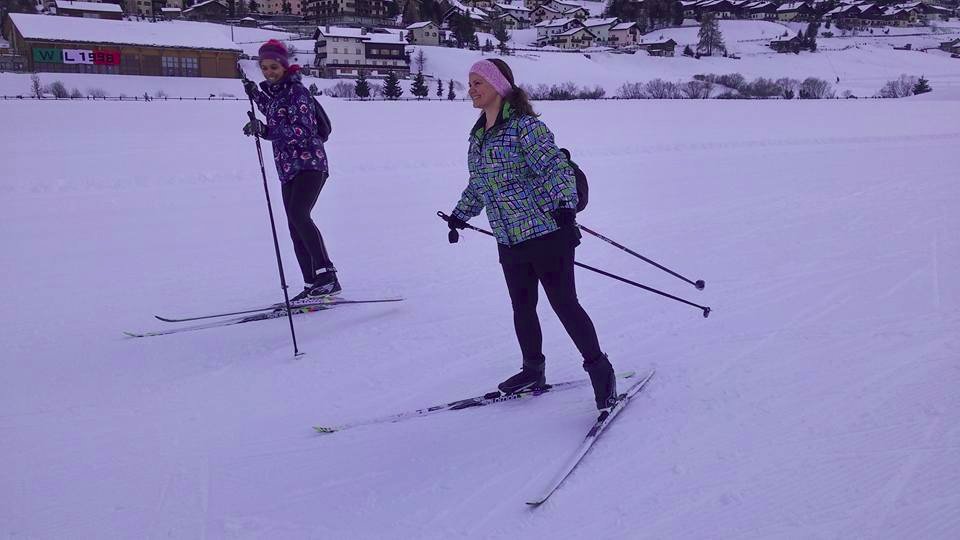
(274, 50)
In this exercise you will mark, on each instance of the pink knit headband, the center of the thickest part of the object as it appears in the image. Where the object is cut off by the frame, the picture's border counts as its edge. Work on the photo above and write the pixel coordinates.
(491, 73)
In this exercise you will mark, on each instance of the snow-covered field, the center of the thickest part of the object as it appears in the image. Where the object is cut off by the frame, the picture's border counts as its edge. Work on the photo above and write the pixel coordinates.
(819, 400)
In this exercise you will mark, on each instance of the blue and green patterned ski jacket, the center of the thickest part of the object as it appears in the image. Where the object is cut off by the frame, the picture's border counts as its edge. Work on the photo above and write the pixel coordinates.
(518, 175)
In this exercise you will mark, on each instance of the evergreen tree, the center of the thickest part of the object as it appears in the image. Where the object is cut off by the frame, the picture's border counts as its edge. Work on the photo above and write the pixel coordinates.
(710, 37)
(463, 29)
(287, 8)
(419, 87)
(488, 46)
(411, 12)
(812, 29)
(502, 34)
(420, 59)
(362, 90)
(18, 6)
(253, 6)
(922, 86)
(676, 13)
(439, 89)
(391, 86)
(430, 10)
(314, 90)
(451, 95)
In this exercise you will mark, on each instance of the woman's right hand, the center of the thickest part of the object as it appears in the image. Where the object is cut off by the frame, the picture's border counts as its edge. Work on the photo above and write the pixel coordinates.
(455, 223)
(250, 87)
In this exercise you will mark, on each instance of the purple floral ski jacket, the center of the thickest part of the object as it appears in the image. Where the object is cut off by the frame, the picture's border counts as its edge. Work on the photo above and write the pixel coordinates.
(291, 126)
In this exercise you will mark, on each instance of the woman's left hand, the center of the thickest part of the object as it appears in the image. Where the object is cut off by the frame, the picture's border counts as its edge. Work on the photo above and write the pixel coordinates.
(565, 217)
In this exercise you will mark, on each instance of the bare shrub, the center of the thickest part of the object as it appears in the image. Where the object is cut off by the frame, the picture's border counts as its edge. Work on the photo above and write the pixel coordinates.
(788, 87)
(631, 91)
(814, 88)
(342, 89)
(899, 88)
(597, 92)
(696, 89)
(764, 88)
(58, 90)
(661, 89)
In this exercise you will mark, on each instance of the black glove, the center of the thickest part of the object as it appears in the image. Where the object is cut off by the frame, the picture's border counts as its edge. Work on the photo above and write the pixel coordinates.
(565, 217)
(255, 127)
(250, 87)
(455, 223)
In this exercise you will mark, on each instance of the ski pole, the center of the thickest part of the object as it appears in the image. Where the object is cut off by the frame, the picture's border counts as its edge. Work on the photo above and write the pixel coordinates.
(706, 310)
(699, 284)
(273, 226)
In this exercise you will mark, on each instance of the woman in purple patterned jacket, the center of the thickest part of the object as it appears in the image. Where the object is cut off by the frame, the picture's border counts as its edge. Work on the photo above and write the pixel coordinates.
(301, 161)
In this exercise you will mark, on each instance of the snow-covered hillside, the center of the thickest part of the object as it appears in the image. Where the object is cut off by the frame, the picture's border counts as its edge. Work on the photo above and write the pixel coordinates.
(859, 64)
(818, 400)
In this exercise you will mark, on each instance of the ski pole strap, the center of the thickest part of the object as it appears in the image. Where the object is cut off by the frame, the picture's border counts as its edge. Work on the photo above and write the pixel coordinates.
(469, 226)
(706, 310)
(699, 284)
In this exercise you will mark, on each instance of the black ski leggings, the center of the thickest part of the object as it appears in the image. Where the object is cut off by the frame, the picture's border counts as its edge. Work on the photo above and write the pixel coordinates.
(555, 272)
(299, 197)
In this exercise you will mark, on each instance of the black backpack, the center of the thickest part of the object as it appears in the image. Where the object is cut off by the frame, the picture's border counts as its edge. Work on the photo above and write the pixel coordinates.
(323, 121)
(583, 189)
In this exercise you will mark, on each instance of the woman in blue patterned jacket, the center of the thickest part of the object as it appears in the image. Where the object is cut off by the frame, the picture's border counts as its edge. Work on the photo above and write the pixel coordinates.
(528, 189)
(301, 162)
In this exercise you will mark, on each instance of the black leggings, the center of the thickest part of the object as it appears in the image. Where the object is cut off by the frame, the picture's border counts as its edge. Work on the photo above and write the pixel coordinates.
(299, 196)
(555, 272)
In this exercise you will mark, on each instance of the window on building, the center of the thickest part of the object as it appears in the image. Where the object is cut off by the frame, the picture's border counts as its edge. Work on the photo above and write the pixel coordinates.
(190, 67)
(130, 64)
(168, 66)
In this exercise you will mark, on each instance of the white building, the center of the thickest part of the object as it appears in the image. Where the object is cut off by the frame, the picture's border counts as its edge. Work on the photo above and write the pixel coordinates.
(600, 28)
(423, 33)
(547, 31)
(343, 52)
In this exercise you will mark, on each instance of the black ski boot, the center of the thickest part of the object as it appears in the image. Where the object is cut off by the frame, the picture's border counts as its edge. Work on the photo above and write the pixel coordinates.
(531, 377)
(325, 284)
(604, 382)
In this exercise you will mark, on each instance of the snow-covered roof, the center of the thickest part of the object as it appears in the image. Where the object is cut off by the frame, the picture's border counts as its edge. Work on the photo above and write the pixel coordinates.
(624, 26)
(555, 22)
(548, 8)
(573, 31)
(385, 36)
(82, 30)
(170, 10)
(418, 25)
(89, 6)
(204, 3)
(794, 6)
(511, 7)
(600, 22)
(576, 9)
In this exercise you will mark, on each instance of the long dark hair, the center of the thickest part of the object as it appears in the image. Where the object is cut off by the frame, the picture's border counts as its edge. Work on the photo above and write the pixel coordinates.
(517, 97)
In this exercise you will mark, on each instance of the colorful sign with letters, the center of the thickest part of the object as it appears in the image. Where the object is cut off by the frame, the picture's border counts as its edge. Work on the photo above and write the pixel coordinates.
(99, 57)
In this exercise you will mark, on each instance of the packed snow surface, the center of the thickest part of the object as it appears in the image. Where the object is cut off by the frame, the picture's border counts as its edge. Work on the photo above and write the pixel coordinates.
(818, 400)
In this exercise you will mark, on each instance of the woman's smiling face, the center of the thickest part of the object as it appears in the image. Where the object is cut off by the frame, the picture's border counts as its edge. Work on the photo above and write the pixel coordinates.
(481, 92)
(272, 70)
